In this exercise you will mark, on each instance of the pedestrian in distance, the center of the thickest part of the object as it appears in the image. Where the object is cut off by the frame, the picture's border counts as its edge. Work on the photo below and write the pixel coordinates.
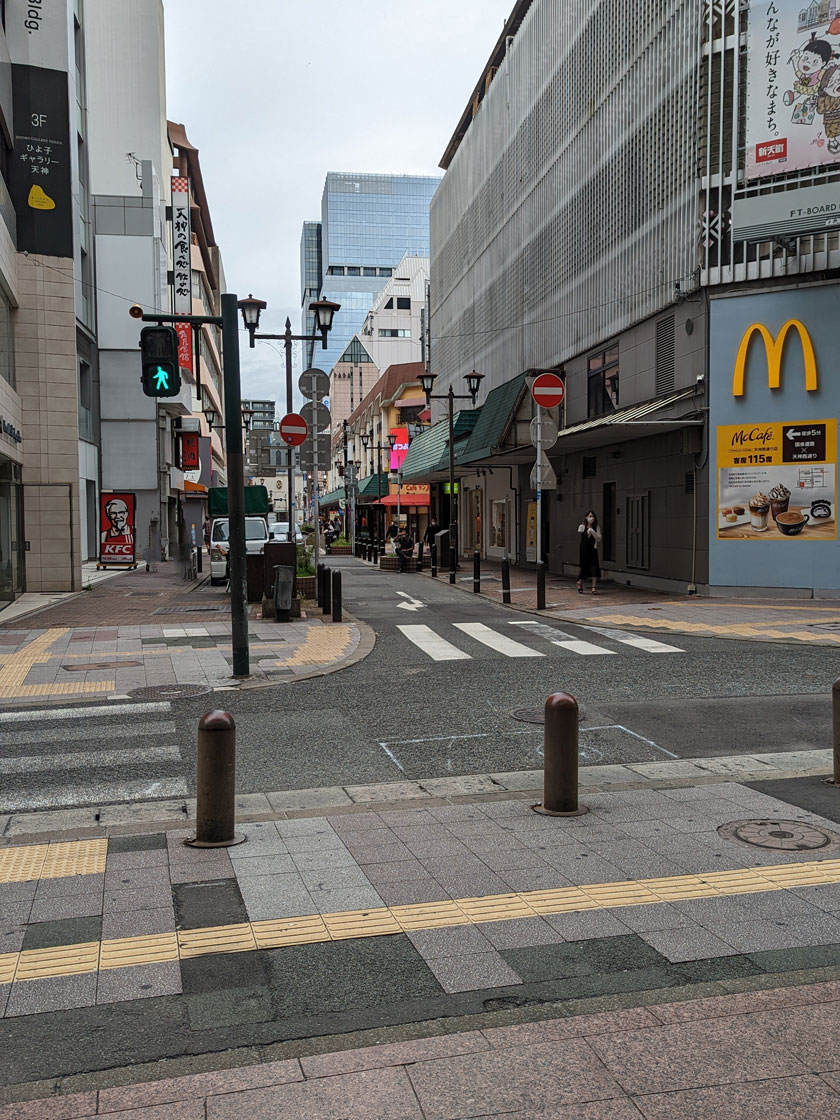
(392, 533)
(432, 531)
(404, 546)
(590, 538)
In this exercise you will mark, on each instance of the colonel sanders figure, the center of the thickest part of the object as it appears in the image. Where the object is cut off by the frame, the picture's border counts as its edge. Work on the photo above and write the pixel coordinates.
(118, 538)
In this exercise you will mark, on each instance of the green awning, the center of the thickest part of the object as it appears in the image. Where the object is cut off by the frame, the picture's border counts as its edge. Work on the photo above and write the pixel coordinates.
(495, 416)
(429, 452)
(333, 498)
(371, 488)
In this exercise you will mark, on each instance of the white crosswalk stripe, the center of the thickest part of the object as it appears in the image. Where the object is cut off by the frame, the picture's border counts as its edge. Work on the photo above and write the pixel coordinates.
(637, 641)
(118, 760)
(431, 643)
(496, 641)
(563, 640)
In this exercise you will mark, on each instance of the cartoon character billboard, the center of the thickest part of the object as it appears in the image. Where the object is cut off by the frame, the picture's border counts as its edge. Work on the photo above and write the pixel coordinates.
(793, 86)
(117, 529)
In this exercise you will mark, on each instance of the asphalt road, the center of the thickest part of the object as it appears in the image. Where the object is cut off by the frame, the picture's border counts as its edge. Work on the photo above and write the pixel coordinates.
(400, 713)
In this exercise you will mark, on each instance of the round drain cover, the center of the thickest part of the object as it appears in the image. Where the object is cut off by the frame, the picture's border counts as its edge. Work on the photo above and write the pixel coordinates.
(537, 715)
(169, 691)
(780, 835)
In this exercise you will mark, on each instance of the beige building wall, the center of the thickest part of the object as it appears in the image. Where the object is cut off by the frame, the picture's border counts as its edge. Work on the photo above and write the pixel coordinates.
(47, 385)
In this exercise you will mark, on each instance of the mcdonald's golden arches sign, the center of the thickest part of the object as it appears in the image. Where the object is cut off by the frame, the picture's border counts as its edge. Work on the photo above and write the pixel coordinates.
(774, 349)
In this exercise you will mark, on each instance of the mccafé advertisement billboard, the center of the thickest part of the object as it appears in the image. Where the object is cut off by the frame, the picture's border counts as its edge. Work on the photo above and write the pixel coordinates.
(774, 401)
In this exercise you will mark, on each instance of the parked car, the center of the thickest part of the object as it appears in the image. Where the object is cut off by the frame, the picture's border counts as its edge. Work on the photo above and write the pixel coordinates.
(279, 531)
(256, 535)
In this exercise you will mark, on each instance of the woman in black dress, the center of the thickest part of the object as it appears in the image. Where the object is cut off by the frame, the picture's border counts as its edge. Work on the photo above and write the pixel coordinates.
(590, 538)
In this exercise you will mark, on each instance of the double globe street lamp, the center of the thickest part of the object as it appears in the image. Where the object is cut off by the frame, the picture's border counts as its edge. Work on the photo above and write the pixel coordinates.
(324, 311)
(427, 382)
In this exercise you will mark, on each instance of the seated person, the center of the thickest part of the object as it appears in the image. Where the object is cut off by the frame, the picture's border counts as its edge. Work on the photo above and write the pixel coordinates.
(405, 548)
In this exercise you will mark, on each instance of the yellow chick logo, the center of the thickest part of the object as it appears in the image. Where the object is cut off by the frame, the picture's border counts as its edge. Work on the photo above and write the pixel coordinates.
(39, 199)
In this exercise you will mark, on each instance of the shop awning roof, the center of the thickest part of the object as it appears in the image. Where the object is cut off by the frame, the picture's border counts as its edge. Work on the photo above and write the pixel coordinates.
(370, 488)
(411, 402)
(637, 422)
(496, 414)
(429, 452)
(407, 501)
(333, 498)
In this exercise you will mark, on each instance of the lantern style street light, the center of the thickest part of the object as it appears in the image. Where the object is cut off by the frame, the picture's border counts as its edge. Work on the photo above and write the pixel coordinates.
(427, 382)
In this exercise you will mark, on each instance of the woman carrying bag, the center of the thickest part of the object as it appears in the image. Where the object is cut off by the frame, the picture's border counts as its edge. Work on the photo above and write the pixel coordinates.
(590, 538)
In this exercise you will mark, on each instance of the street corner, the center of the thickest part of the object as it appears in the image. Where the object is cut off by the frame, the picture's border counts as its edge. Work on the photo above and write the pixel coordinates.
(309, 647)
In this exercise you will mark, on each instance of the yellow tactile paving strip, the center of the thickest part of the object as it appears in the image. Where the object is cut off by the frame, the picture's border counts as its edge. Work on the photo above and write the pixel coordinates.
(322, 644)
(732, 629)
(123, 952)
(14, 669)
(52, 861)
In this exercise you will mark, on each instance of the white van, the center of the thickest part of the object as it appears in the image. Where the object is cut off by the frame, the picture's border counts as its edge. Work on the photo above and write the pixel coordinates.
(256, 535)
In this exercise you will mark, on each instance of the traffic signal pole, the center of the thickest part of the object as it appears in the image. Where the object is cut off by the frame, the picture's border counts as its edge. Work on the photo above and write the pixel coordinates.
(235, 465)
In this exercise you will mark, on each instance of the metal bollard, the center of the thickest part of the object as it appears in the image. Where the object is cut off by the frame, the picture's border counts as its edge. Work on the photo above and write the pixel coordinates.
(835, 727)
(506, 581)
(476, 572)
(326, 593)
(420, 557)
(376, 554)
(433, 558)
(216, 783)
(560, 763)
(369, 553)
(319, 584)
(336, 596)
(540, 585)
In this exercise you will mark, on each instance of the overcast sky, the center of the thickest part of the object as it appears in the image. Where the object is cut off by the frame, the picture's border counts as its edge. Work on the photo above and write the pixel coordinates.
(275, 95)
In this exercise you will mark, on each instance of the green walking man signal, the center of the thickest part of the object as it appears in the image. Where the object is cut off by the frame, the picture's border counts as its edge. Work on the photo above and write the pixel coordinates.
(161, 375)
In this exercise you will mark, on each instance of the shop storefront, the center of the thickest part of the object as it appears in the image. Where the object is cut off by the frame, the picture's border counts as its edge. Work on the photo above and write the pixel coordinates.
(774, 407)
(11, 531)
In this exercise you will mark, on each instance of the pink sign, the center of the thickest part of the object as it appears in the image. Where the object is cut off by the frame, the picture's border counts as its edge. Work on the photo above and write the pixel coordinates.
(400, 448)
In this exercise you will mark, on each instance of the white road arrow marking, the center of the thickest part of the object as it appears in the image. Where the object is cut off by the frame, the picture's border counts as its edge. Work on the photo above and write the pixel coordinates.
(412, 604)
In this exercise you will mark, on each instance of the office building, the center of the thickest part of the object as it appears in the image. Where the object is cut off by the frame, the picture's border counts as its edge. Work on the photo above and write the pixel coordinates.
(262, 413)
(368, 224)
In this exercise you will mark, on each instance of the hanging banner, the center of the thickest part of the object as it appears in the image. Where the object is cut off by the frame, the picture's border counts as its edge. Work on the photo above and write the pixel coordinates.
(531, 532)
(185, 345)
(777, 481)
(189, 451)
(400, 448)
(793, 86)
(181, 241)
(117, 529)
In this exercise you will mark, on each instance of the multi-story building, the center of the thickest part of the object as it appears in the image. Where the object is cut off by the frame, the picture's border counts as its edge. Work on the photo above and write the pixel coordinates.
(625, 222)
(392, 334)
(368, 224)
(262, 414)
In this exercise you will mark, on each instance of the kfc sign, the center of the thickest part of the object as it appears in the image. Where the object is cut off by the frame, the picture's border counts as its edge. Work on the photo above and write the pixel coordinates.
(117, 528)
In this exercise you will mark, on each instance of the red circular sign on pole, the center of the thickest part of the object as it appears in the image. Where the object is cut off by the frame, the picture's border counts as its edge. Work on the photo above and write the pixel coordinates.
(293, 429)
(548, 390)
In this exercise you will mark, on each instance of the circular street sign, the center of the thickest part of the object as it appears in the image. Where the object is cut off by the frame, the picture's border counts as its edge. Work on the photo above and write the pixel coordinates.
(549, 434)
(314, 384)
(293, 429)
(316, 415)
(548, 390)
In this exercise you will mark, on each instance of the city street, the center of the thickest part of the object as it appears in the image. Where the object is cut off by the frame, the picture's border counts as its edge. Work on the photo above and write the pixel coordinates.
(435, 698)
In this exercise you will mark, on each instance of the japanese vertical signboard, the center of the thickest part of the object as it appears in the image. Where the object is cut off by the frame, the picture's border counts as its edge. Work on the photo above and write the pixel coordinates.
(40, 182)
(181, 240)
(793, 82)
(117, 529)
(777, 481)
(399, 449)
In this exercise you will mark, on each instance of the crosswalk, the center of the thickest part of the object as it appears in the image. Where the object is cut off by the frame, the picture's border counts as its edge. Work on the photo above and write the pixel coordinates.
(92, 755)
(436, 646)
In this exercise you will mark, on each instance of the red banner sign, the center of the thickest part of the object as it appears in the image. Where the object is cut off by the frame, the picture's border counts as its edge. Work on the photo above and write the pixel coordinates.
(185, 346)
(190, 460)
(400, 448)
(117, 528)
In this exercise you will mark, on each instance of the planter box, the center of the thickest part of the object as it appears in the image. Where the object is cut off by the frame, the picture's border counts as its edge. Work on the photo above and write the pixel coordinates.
(339, 550)
(392, 564)
(306, 587)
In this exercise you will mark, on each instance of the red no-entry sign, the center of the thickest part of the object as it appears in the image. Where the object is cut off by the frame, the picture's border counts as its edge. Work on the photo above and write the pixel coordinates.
(293, 429)
(548, 390)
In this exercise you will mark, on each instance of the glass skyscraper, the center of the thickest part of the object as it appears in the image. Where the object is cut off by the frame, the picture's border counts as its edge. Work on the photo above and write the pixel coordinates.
(368, 224)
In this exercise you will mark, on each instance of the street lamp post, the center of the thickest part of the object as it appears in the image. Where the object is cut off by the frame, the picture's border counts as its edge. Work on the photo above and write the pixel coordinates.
(473, 381)
(324, 310)
(367, 439)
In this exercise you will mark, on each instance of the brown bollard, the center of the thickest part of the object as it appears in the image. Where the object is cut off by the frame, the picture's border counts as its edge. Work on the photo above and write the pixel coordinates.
(560, 764)
(216, 783)
(835, 726)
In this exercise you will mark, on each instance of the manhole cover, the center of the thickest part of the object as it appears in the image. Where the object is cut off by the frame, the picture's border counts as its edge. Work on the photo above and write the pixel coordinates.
(169, 691)
(537, 715)
(95, 666)
(780, 835)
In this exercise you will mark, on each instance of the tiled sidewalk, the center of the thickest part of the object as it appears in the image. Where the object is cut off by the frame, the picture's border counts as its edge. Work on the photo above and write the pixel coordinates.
(45, 664)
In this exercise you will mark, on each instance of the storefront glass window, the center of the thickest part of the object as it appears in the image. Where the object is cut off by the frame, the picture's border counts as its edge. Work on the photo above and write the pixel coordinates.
(10, 563)
(497, 527)
(7, 347)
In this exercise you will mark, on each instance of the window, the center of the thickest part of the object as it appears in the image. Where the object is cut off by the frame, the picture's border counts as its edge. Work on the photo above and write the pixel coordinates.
(389, 306)
(386, 272)
(368, 272)
(85, 409)
(602, 388)
(7, 342)
(351, 271)
(590, 466)
(665, 355)
(335, 270)
(403, 303)
(390, 332)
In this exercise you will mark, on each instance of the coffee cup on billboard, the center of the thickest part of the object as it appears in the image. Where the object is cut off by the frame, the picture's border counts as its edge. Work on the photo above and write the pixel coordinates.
(759, 509)
(792, 522)
(779, 498)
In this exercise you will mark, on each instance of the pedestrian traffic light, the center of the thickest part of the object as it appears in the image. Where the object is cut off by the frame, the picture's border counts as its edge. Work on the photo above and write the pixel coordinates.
(161, 372)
